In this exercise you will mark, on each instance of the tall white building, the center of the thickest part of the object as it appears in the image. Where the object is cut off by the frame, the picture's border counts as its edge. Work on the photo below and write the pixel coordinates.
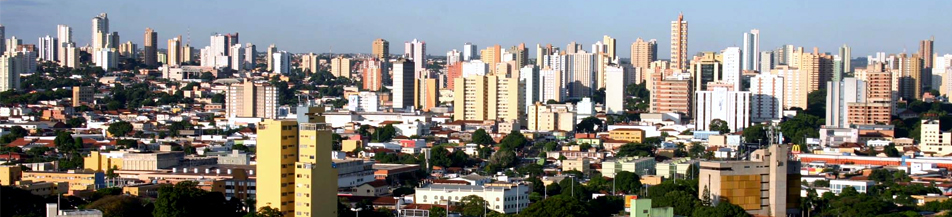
(838, 98)
(847, 54)
(108, 59)
(616, 77)
(474, 67)
(237, 57)
(365, 101)
(751, 50)
(48, 47)
(550, 85)
(453, 56)
(942, 74)
(250, 52)
(100, 30)
(732, 107)
(766, 61)
(416, 50)
(282, 62)
(580, 68)
(766, 93)
(731, 58)
(470, 51)
(216, 54)
(403, 84)
(9, 71)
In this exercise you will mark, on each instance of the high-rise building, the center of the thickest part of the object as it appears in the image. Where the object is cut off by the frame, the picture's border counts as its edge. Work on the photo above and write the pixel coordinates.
(112, 40)
(520, 55)
(490, 97)
(671, 92)
(3, 37)
(174, 51)
(310, 63)
(9, 71)
(250, 53)
(846, 54)
(251, 100)
(838, 96)
(128, 50)
(491, 56)
(942, 74)
(237, 57)
(271, 50)
(187, 53)
(426, 94)
(373, 71)
(340, 67)
(551, 85)
(282, 62)
(926, 52)
(381, 49)
(529, 76)
(470, 51)
(403, 79)
(453, 71)
(818, 67)
(679, 43)
(837, 69)
(65, 36)
(732, 107)
(71, 56)
(580, 68)
(751, 51)
(766, 93)
(100, 30)
(216, 54)
(766, 61)
(108, 59)
(766, 185)
(82, 95)
(705, 69)
(877, 107)
(911, 79)
(609, 46)
(230, 40)
(616, 79)
(795, 86)
(48, 48)
(573, 47)
(294, 163)
(453, 56)
(732, 74)
(416, 50)
(551, 117)
(643, 53)
(150, 53)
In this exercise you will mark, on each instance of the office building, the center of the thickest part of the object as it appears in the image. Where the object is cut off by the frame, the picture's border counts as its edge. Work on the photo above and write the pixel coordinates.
(732, 107)
(149, 48)
(82, 95)
(643, 53)
(381, 49)
(416, 51)
(766, 185)
(751, 52)
(340, 67)
(282, 62)
(372, 71)
(732, 60)
(403, 72)
(294, 164)
(48, 48)
(841, 94)
(251, 100)
(490, 97)
(679, 43)
(616, 80)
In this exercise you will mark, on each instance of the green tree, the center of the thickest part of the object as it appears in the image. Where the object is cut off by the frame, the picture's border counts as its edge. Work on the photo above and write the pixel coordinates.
(720, 126)
(891, 151)
(514, 140)
(723, 208)
(16, 132)
(482, 138)
(186, 199)
(816, 103)
(589, 125)
(636, 149)
(683, 203)
(120, 129)
(120, 206)
(503, 158)
(755, 134)
(628, 182)
(473, 205)
(76, 122)
(437, 211)
(556, 206)
(207, 76)
(218, 98)
(384, 134)
(265, 212)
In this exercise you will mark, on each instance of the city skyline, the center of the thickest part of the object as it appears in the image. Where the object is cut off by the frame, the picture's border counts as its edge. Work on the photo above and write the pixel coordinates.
(710, 29)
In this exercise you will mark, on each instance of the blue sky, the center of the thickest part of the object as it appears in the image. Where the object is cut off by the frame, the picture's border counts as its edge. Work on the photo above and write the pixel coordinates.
(350, 26)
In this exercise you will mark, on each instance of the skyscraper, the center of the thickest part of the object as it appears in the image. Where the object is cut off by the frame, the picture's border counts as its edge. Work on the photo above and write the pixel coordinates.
(616, 77)
(581, 70)
(795, 86)
(310, 63)
(766, 93)
(108, 59)
(838, 96)
(251, 100)
(751, 50)
(65, 36)
(732, 107)
(731, 58)
(453, 56)
(3, 38)
(925, 52)
(847, 57)
(403, 72)
(150, 53)
(373, 72)
(381, 49)
(818, 67)
(643, 53)
(609, 46)
(470, 51)
(416, 50)
(520, 55)
(237, 57)
(911, 79)
(48, 48)
(175, 51)
(340, 67)
(488, 97)
(112, 40)
(707, 68)
(766, 61)
(271, 50)
(250, 53)
(679, 43)
(491, 56)
(282, 62)
(9, 72)
(128, 50)
(100, 30)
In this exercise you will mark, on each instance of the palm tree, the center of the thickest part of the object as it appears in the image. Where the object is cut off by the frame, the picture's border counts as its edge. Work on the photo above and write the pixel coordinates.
(249, 204)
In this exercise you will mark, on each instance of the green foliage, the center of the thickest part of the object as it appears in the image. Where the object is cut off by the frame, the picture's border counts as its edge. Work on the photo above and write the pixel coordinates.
(756, 134)
(636, 149)
(482, 138)
(16, 132)
(473, 205)
(724, 208)
(265, 212)
(599, 95)
(76, 122)
(816, 103)
(823, 183)
(639, 97)
(120, 129)
(503, 158)
(589, 125)
(514, 140)
(384, 134)
(628, 182)
(439, 156)
(121, 205)
(218, 98)
(437, 211)
(800, 127)
(19, 202)
(186, 199)
(720, 126)
(891, 151)
(556, 206)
